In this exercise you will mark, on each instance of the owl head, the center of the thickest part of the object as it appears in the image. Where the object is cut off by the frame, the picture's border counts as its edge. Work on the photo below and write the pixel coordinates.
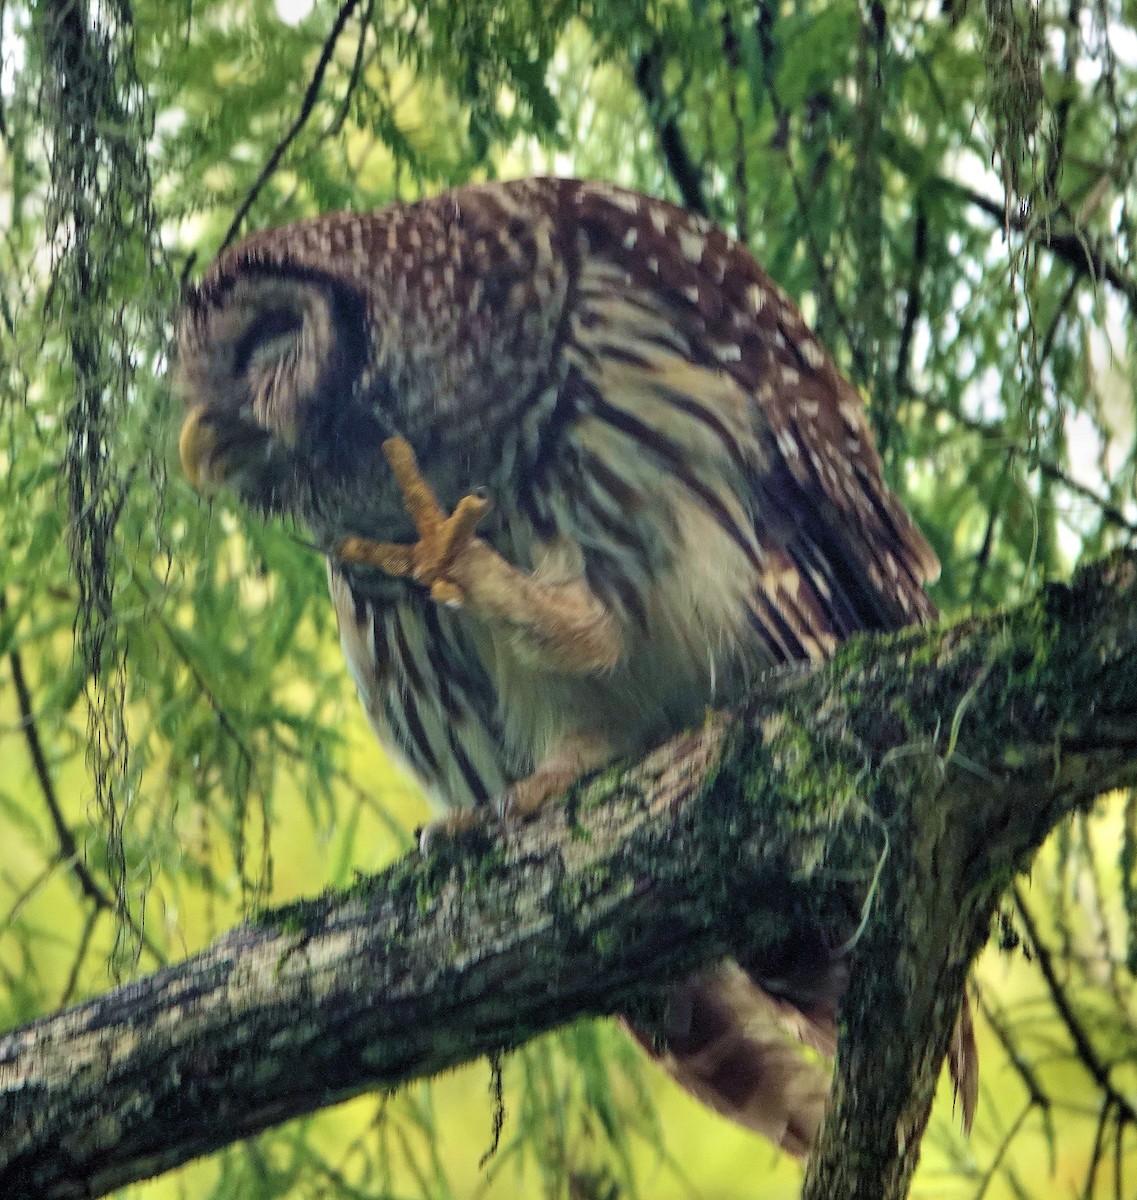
(304, 347)
(275, 365)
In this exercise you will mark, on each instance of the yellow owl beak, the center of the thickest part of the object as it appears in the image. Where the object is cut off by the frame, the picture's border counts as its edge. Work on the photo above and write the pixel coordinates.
(197, 446)
(215, 447)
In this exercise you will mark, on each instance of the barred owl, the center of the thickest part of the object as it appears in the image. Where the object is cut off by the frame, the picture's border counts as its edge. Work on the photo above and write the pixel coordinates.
(582, 471)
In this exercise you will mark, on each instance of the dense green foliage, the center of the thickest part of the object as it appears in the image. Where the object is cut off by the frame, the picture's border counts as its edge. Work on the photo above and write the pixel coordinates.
(947, 189)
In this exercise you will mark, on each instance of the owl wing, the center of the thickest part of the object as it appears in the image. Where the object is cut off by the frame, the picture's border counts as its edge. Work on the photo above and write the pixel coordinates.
(697, 377)
(700, 388)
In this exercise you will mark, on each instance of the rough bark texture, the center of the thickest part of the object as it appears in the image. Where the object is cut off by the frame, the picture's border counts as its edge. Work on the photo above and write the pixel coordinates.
(905, 784)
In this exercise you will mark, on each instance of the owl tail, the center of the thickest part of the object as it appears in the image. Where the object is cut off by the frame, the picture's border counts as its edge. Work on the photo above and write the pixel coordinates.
(726, 1042)
(732, 1045)
(963, 1062)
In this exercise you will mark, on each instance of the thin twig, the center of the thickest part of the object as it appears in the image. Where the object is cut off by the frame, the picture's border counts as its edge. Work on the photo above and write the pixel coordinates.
(1057, 148)
(994, 515)
(356, 71)
(1025, 1071)
(306, 108)
(1001, 1152)
(686, 173)
(1118, 1158)
(1056, 320)
(1050, 469)
(1087, 1055)
(1096, 1151)
(733, 58)
(68, 852)
(766, 49)
(174, 639)
(72, 983)
(913, 303)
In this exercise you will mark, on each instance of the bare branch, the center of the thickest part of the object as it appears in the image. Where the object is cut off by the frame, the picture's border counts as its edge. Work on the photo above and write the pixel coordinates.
(1075, 247)
(685, 171)
(1100, 1071)
(307, 106)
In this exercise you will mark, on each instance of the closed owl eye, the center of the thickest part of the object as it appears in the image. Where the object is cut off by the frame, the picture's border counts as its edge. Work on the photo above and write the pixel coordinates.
(266, 338)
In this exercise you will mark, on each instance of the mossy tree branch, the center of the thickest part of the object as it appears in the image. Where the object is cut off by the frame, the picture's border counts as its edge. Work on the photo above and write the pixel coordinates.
(905, 783)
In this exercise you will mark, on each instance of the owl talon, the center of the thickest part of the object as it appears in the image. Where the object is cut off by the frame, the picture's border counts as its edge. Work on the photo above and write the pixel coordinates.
(518, 803)
(443, 539)
(442, 591)
(391, 559)
(454, 823)
(528, 796)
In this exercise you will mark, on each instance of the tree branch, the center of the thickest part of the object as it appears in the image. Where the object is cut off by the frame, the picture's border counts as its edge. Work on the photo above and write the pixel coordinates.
(307, 106)
(685, 171)
(885, 801)
(1102, 1072)
(1079, 249)
(69, 853)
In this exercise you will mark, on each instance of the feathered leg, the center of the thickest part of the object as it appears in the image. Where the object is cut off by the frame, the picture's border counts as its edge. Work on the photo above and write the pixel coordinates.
(562, 625)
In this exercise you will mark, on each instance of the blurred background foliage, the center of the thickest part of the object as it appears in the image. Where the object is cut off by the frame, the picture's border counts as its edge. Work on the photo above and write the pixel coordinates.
(947, 188)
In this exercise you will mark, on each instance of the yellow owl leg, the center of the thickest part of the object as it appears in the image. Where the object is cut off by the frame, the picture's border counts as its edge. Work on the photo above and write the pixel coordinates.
(441, 537)
(563, 626)
(569, 759)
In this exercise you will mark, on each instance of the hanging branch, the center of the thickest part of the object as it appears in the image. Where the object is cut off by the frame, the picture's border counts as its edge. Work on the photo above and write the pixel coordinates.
(101, 226)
